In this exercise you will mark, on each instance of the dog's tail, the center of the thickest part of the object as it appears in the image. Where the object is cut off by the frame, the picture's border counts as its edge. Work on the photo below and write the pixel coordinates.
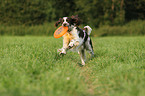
(88, 29)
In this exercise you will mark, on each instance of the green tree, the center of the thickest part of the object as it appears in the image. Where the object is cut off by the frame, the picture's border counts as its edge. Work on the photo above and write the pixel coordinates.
(25, 11)
(134, 9)
(63, 8)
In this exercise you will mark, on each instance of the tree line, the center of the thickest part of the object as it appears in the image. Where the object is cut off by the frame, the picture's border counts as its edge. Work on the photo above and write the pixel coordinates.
(92, 12)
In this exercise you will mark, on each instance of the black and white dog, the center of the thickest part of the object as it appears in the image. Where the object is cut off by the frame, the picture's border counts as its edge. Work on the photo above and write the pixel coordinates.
(76, 38)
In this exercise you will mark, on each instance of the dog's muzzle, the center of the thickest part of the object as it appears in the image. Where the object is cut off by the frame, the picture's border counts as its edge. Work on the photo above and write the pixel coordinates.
(65, 24)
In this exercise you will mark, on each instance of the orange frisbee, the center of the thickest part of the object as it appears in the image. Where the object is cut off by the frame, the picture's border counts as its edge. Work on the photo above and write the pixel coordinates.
(60, 32)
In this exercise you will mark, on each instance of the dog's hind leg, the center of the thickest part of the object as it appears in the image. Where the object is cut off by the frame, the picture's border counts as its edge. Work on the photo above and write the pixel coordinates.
(90, 50)
(89, 47)
(82, 55)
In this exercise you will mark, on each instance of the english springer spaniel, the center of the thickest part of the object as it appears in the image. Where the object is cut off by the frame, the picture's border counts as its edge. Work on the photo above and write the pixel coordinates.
(76, 38)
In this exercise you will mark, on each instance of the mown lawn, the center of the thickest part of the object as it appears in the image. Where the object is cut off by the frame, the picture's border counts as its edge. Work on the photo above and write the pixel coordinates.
(31, 66)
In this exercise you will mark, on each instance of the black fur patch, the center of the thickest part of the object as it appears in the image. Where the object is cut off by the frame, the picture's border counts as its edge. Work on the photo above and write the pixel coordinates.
(82, 34)
(91, 43)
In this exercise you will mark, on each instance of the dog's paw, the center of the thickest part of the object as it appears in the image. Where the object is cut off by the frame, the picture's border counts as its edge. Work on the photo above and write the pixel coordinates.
(61, 51)
(83, 63)
(70, 45)
(73, 44)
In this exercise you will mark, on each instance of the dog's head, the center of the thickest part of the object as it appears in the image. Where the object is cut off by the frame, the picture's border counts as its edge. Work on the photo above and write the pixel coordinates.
(66, 21)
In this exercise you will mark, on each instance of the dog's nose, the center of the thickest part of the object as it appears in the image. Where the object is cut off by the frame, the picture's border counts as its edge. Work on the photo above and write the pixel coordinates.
(64, 24)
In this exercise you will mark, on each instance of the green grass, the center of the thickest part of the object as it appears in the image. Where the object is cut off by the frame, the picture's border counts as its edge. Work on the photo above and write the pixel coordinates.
(30, 66)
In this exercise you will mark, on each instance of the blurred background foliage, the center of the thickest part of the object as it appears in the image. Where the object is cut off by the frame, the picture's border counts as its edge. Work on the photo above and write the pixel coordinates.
(96, 13)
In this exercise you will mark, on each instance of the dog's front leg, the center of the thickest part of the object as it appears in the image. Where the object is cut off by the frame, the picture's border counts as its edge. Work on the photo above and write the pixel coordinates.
(65, 46)
(73, 43)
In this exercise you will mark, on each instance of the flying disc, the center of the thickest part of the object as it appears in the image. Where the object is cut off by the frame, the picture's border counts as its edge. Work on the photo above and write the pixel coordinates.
(60, 32)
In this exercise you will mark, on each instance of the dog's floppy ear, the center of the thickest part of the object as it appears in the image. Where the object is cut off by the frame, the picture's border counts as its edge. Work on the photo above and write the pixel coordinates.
(58, 22)
(76, 20)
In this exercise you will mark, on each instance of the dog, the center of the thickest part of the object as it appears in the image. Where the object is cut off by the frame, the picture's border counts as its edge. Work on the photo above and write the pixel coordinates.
(76, 38)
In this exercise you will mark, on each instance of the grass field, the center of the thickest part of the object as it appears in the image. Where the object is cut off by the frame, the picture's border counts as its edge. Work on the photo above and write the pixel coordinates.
(30, 66)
